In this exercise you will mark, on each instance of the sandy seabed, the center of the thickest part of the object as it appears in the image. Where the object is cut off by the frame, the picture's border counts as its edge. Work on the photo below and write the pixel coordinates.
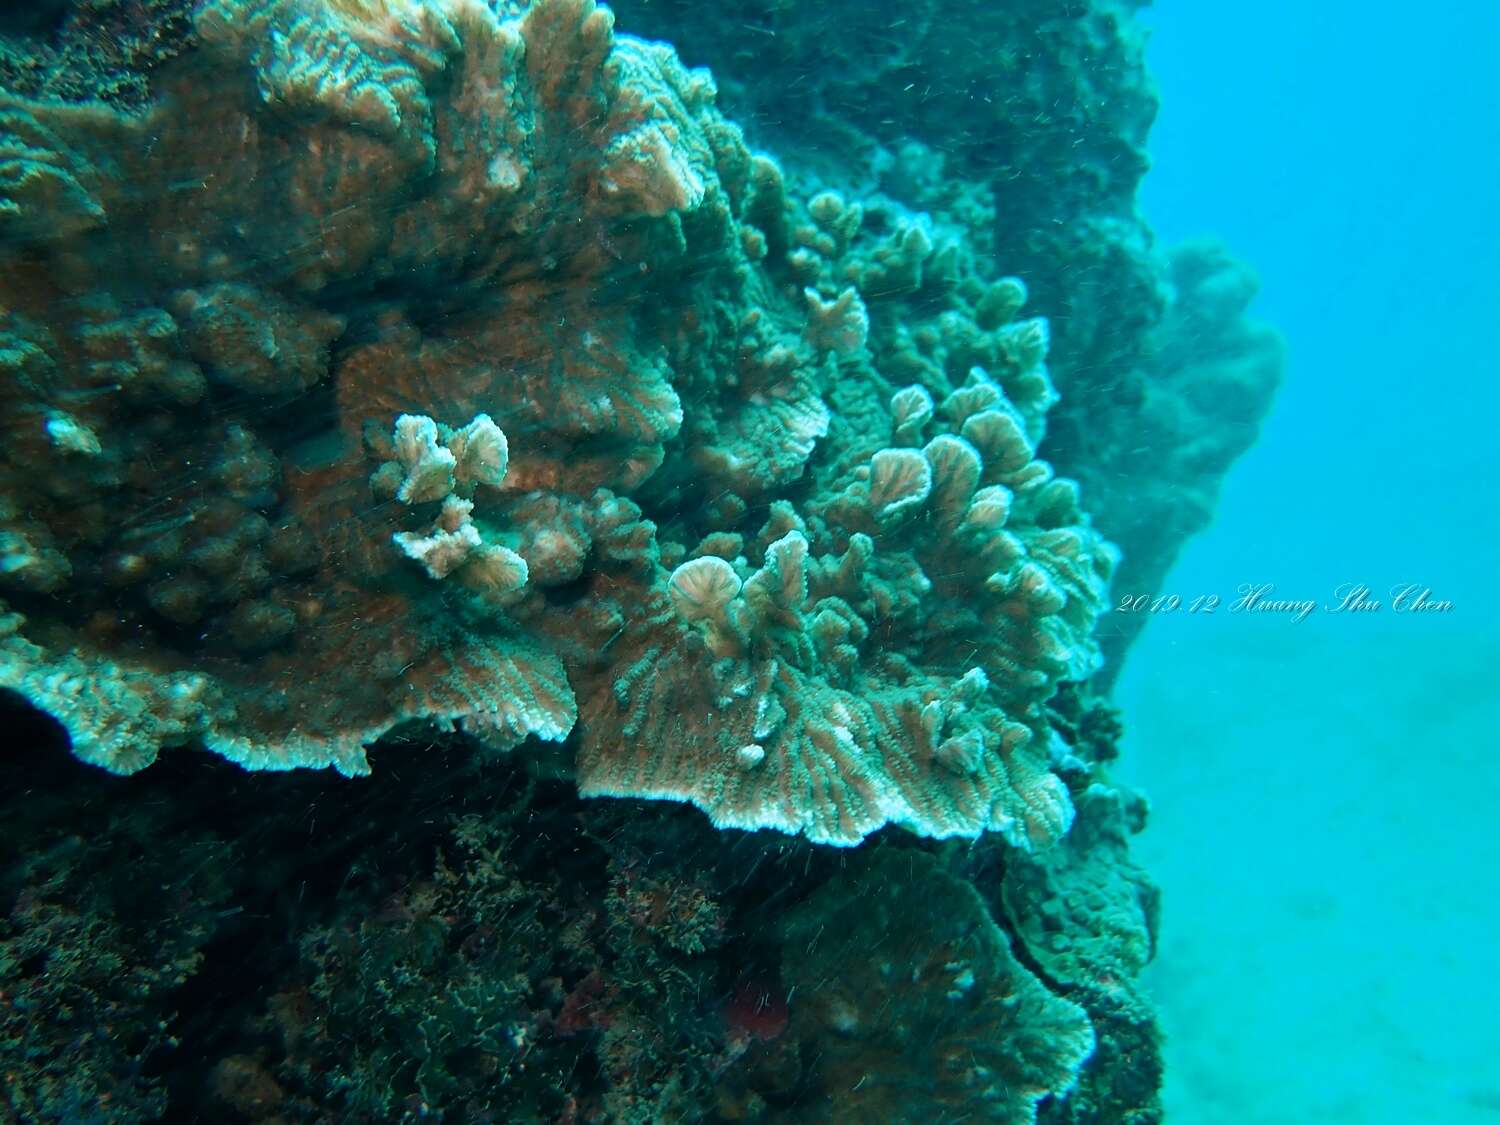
(1324, 828)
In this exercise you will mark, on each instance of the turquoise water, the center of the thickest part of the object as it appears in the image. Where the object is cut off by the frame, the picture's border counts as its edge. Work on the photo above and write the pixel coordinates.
(1321, 828)
(1323, 792)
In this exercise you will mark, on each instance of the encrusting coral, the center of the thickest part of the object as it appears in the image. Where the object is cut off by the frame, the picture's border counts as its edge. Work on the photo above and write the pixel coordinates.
(710, 504)
(845, 684)
(1086, 918)
(978, 1035)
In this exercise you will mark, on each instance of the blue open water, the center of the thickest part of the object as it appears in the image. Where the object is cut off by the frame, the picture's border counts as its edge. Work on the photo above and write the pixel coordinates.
(1323, 791)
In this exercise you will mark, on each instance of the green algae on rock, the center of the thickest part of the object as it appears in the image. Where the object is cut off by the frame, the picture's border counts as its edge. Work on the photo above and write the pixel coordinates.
(91, 50)
(977, 1035)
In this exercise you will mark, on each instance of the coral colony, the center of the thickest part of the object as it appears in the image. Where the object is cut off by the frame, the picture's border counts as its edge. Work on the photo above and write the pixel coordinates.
(444, 383)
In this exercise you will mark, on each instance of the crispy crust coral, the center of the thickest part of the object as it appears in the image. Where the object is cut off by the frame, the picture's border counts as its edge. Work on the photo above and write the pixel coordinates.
(264, 344)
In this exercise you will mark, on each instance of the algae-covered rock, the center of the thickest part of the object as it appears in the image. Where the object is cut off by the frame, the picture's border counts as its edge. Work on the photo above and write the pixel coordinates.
(907, 997)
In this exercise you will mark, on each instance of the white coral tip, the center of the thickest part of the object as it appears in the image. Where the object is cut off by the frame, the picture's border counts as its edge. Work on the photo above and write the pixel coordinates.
(701, 588)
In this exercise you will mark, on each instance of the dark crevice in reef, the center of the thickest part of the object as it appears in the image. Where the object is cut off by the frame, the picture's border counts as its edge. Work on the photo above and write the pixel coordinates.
(38, 17)
(628, 919)
(304, 904)
(30, 732)
(104, 50)
(309, 856)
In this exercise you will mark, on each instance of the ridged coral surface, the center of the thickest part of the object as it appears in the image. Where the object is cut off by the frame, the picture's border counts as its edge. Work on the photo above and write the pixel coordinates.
(757, 542)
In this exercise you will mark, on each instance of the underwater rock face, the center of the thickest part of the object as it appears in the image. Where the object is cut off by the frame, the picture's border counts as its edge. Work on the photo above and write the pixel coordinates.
(236, 325)
(472, 944)
(91, 50)
(977, 1035)
(1208, 376)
